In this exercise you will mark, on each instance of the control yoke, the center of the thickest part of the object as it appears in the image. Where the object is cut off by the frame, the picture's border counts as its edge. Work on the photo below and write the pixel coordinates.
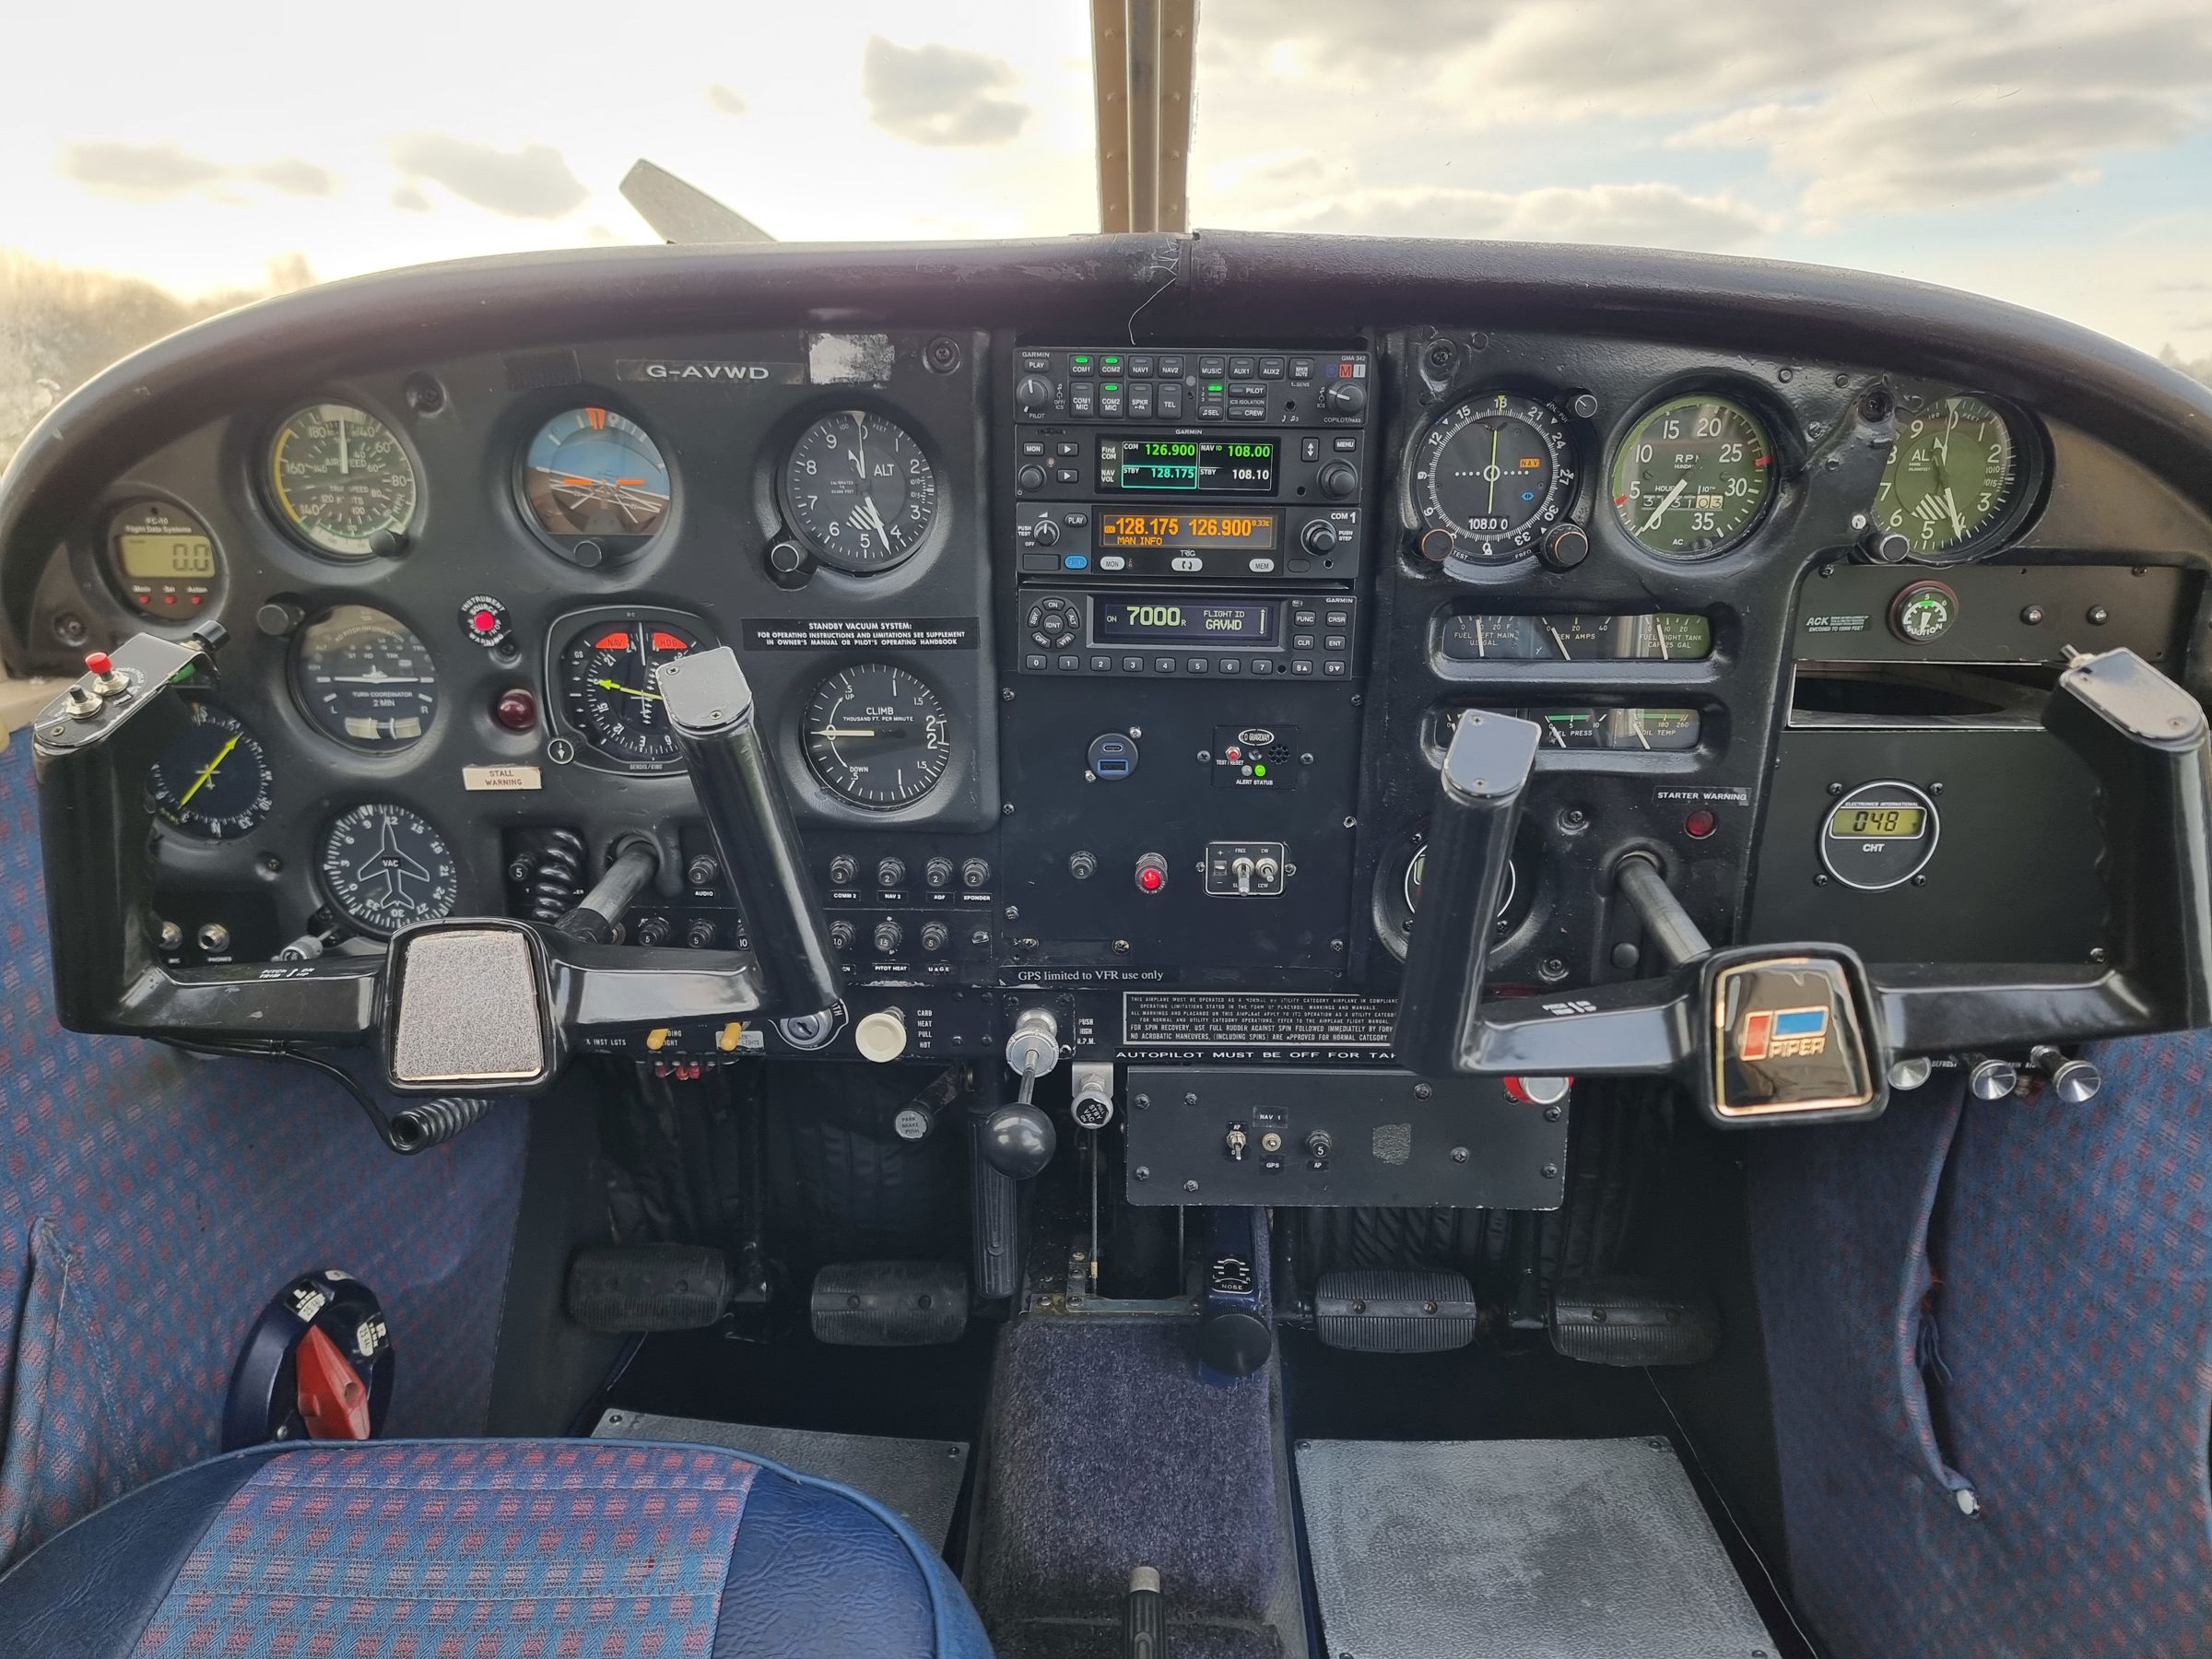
(1797, 1032)
(488, 1004)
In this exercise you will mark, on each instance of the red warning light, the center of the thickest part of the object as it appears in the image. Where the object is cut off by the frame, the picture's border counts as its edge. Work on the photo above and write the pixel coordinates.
(614, 641)
(668, 641)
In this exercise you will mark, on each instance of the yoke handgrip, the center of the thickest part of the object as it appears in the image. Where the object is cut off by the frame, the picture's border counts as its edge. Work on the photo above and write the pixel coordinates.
(710, 708)
(1462, 885)
(2146, 740)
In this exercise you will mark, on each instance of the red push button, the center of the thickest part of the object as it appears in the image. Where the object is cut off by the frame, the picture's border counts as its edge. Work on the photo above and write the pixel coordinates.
(1151, 873)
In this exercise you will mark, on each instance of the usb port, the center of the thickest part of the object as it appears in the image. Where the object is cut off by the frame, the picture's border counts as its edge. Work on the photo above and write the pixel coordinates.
(1112, 757)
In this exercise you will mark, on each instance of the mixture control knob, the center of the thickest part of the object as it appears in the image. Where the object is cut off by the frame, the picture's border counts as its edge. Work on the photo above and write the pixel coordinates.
(975, 873)
(937, 875)
(841, 934)
(888, 936)
(1045, 532)
(891, 872)
(935, 937)
(1339, 480)
(1034, 394)
(881, 1036)
(1343, 397)
(1993, 1079)
(843, 870)
(1319, 537)
(1029, 476)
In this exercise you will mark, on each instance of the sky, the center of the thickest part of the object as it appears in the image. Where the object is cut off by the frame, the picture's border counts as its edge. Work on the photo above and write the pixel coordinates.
(2056, 153)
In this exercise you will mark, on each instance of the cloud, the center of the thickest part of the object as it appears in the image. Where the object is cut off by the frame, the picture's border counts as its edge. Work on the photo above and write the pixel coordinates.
(1641, 214)
(532, 183)
(163, 172)
(294, 177)
(408, 199)
(940, 95)
(1885, 106)
(724, 99)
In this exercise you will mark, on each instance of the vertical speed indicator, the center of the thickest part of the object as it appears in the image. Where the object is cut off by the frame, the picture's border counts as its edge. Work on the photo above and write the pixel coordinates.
(878, 737)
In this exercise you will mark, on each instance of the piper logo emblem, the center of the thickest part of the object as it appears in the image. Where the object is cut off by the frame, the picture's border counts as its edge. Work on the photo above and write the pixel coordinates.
(1783, 1034)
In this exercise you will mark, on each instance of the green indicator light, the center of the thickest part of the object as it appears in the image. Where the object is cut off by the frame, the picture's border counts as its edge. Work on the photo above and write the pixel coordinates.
(1110, 385)
(1109, 359)
(1080, 357)
(1213, 386)
(1259, 771)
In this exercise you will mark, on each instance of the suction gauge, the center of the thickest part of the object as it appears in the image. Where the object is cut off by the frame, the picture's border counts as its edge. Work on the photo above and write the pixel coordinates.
(1488, 476)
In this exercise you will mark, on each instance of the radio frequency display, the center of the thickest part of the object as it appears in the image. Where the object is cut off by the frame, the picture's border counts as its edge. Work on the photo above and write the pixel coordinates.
(1164, 465)
(1252, 531)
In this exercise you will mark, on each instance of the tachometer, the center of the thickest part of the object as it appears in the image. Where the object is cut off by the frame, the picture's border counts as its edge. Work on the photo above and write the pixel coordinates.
(1954, 477)
(386, 868)
(610, 687)
(593, 476)
(341, 480)
(1490, 476)
(859, 491)
(1694, 475)
(878, 737)
(213, 780)
(365, 679)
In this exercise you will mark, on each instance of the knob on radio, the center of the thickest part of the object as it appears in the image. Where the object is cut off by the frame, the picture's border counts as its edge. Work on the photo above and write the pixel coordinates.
(1343, 397)
(1339, 480)
(1034, 394)
(1319, 537)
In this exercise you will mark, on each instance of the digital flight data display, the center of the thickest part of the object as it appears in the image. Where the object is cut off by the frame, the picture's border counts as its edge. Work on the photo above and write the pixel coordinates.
(1877, 820)
(1251, 532)
(1142, 618)
(1172, 465)
(166, 557)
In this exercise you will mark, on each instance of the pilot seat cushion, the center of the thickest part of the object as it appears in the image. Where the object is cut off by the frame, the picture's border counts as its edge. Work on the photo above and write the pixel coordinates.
(489, 1549)
(151, 1202)
(1989, 1334)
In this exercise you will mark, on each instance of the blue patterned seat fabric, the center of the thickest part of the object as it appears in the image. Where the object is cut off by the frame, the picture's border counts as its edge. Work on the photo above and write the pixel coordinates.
(489, 1549)
(152, 1202)
(1989, 1335)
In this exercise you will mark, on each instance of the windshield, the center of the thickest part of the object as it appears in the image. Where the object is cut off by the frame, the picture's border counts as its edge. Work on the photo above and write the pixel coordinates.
(2038, 150)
